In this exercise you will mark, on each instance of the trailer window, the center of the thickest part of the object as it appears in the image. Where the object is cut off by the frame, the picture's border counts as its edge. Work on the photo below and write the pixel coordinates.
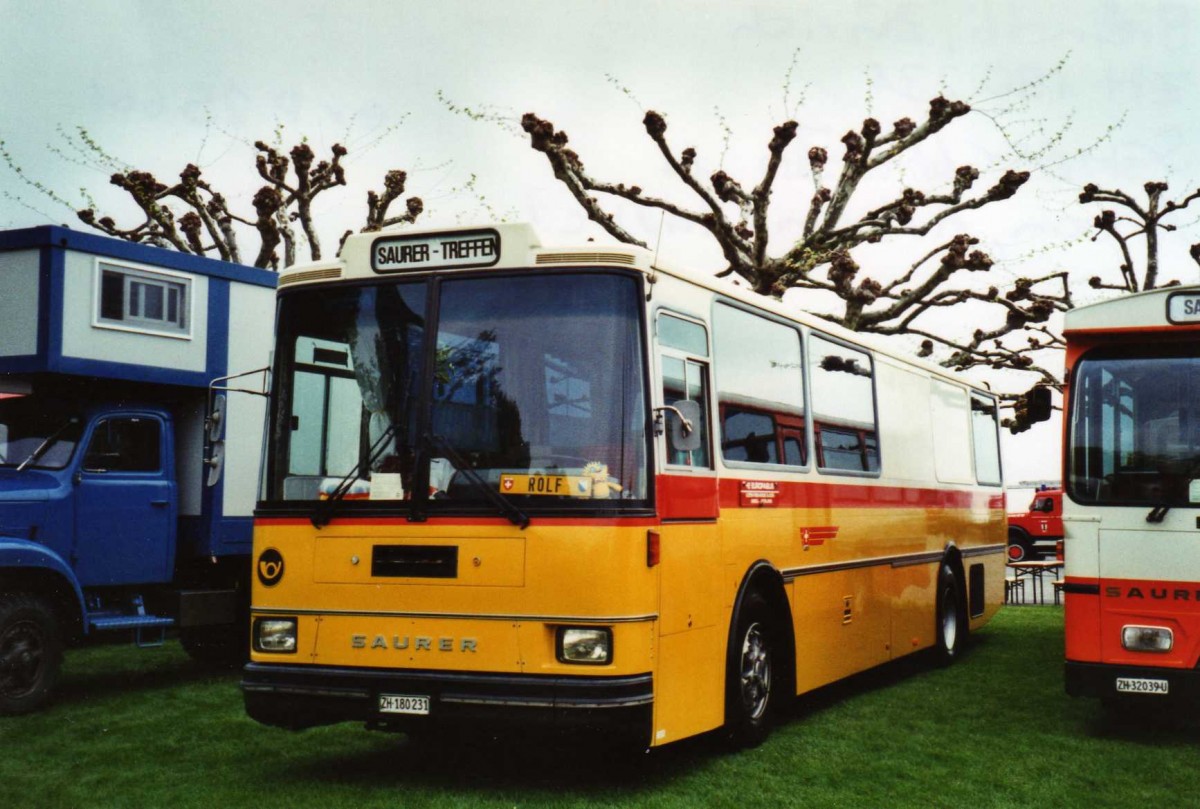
(141, 300)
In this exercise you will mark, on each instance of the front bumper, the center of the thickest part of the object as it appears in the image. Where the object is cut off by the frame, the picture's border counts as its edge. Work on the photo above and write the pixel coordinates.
(1100, 680)
(297, 697)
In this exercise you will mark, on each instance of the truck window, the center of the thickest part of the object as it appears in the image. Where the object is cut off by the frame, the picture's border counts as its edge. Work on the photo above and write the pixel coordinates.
(124, 445)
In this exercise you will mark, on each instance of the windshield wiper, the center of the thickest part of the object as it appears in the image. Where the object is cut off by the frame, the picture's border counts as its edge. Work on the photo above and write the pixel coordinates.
(323, 513)
(1157, 514)
(507, 508)
(47, 442)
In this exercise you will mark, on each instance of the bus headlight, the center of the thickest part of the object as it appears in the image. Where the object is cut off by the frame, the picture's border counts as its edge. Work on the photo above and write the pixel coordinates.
(1147, 638)
(577, 644)
(275, 635)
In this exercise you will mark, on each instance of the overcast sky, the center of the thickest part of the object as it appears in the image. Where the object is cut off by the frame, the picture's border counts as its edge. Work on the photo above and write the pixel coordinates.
(160, 84)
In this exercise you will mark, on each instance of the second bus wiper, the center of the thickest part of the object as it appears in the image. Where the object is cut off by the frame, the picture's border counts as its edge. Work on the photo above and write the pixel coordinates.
(507, 508)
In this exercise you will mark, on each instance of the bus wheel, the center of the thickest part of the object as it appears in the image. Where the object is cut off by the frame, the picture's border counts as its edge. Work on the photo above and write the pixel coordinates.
(30, 653)
(951, 623)
(749, 700)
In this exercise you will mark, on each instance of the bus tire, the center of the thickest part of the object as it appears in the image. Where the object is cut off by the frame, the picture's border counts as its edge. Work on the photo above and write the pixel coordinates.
(951, 622)
(751, 677)
(31, 651)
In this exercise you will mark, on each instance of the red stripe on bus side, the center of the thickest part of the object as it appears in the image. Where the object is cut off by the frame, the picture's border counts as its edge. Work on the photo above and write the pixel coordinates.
(698, 497)
(863, 495)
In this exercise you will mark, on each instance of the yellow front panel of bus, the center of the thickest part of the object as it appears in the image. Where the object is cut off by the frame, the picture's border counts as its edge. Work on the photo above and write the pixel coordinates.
(508, 593)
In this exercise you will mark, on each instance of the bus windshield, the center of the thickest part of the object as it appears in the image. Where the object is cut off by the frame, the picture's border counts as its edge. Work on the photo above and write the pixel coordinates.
(1135, 429)
(530, 387)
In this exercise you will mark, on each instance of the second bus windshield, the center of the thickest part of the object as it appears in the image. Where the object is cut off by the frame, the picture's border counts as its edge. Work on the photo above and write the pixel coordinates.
(1135, 430)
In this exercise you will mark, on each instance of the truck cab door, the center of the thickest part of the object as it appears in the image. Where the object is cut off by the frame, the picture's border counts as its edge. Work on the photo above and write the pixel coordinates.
(126, 503)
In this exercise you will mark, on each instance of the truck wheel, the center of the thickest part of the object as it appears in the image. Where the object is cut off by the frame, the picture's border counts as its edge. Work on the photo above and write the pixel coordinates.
(951, 623)
(750, 700)
(1019, 545)
(31, 652)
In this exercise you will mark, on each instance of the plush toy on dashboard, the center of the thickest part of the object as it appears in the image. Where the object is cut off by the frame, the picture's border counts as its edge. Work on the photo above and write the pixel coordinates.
(597, 473)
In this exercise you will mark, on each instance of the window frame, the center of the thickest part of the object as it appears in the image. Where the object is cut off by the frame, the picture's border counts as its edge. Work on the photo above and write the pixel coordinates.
(972, 396)
(689, 360)
(179, 329)
(813, 419)
(101, 423)
(784, 429)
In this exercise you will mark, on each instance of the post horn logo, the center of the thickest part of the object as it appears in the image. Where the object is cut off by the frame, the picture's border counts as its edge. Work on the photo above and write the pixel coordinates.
(270, 567)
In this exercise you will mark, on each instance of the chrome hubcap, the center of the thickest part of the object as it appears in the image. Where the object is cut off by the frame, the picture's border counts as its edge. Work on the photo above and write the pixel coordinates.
(949, 619)
(756, 671)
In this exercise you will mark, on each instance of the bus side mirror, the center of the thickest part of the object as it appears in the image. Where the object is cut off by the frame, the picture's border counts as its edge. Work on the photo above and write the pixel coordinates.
(1038, 404)
(683, 432)
(1033, 406)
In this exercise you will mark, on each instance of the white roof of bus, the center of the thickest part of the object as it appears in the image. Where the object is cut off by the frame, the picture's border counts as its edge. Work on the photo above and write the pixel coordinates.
(1139, 310)
(522, 248)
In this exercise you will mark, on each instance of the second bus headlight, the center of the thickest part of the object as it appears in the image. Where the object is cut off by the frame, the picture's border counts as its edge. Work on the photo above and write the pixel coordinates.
(275, 635)
(1147, 638)
(578, 644)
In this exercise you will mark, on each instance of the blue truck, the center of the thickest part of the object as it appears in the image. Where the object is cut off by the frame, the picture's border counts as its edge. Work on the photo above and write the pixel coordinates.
(128, 466)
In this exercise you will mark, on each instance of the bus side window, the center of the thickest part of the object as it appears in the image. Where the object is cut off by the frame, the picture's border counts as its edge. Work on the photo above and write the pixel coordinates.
(985, 430)
(843, 395)
(760, 388)
(685, 378)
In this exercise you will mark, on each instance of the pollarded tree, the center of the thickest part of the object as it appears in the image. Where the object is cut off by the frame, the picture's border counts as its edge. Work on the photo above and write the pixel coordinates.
(1137, 220)
(821, 258)
(192, 217)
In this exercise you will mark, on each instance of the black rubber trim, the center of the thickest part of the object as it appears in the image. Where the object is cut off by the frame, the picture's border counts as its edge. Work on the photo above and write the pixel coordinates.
(297, 697)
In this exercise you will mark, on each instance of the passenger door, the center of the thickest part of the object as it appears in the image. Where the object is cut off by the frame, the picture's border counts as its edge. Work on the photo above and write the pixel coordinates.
(126, 503)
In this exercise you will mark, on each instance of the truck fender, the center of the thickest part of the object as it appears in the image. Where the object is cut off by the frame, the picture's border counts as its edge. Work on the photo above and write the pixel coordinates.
(21, 554)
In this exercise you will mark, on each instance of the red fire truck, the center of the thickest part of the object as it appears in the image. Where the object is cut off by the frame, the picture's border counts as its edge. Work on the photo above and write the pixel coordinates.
(1035, 533)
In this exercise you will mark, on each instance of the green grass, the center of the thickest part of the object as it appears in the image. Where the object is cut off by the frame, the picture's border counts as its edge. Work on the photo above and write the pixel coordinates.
(145, 728)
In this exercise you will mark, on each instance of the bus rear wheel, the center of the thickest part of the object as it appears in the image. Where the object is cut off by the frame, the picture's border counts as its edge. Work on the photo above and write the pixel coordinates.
(750, 699)
(951, 622)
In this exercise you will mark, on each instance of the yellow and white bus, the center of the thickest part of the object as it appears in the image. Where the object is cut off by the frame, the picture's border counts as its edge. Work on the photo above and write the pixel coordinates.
(564, 486)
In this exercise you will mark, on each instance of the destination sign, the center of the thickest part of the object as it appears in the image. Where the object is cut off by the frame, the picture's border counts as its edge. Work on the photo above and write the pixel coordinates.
(433, 251)
(1183, 307)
